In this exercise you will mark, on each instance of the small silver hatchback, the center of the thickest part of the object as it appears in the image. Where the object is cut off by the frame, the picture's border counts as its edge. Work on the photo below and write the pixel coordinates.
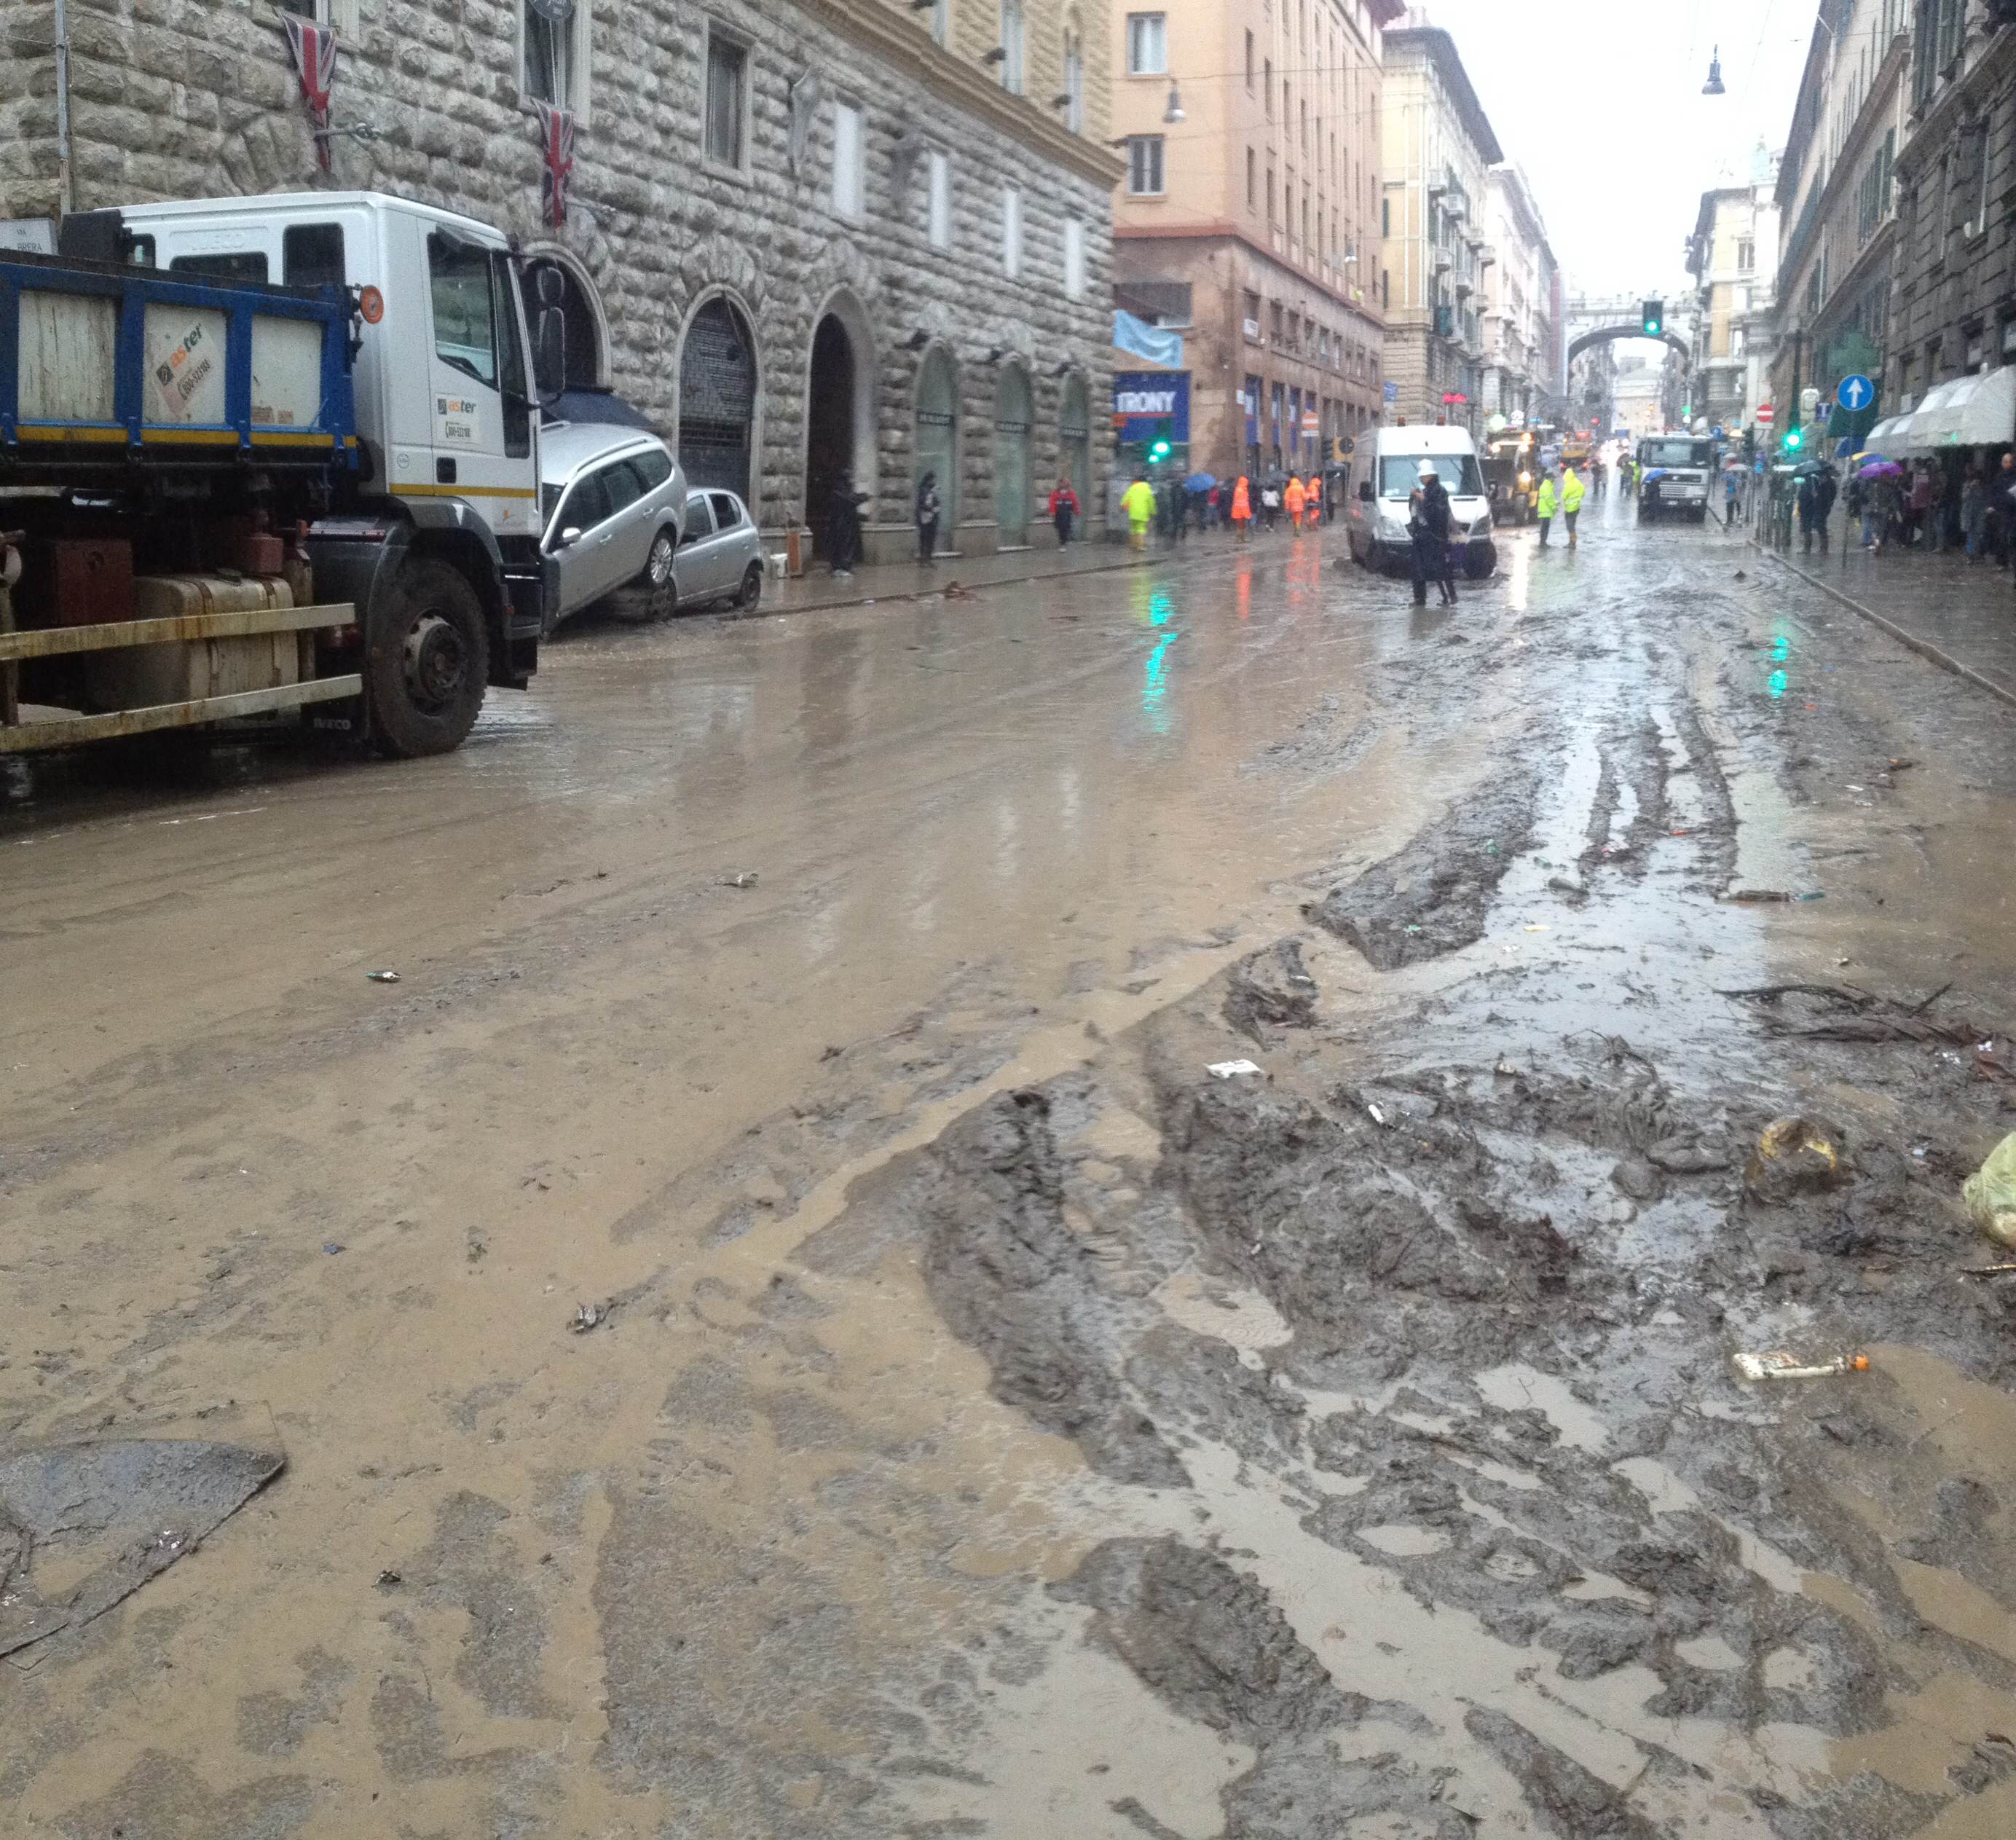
(721, 553)
(614, 501)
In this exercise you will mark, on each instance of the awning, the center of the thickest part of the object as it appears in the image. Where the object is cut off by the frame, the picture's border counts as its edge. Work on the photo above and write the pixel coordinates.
(1883, 434)
(1989, 420)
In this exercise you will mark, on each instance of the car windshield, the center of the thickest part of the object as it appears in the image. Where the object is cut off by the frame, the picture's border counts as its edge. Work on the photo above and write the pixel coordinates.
(1399, 473)
(1674, 453)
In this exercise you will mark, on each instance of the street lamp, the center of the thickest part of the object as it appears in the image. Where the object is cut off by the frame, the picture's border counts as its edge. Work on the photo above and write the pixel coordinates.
(1174, 112)
(1714, 85)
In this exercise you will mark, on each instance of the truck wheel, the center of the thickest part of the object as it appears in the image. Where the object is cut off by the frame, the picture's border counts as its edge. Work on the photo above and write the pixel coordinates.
(1478, 564)
(428, 662)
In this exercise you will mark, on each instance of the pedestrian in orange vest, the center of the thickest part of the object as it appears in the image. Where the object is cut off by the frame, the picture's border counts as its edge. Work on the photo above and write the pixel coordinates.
(1312, 509)
(1294, 498)
(1242, 510)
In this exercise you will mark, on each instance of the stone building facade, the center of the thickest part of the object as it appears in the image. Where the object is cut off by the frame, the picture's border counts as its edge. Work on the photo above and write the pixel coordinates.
(1953, 308)
(807, 238)
(1256, 214)
(1836, 194)
(1438, 148)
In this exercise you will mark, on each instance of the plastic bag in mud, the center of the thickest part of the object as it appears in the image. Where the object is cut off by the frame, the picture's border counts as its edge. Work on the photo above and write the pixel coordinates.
(1990, 1193)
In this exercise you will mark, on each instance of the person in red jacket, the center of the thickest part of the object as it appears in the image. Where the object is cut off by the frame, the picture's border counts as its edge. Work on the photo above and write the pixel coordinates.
(1064, 510)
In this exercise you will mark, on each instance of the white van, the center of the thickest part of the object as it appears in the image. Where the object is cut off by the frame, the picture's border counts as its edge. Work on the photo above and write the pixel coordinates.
(1376, 517)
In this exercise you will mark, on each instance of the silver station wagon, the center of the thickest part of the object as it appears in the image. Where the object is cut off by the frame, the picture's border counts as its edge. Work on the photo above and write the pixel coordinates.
(615, 505)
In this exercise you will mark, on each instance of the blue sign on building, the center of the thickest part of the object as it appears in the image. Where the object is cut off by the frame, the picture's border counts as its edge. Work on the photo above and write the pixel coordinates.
(1855, 392)
(1142, 399)
(1392, 392)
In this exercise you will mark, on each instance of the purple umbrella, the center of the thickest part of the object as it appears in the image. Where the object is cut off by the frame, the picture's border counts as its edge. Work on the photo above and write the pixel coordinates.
(1881, 470)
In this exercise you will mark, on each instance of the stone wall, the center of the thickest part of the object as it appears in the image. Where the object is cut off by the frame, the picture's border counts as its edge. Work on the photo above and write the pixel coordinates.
(27, 109)
(196, 98)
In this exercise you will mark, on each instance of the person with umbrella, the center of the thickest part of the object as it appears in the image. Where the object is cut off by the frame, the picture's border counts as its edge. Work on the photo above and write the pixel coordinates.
(1880, 501)
(1973, 514)
(1825, 491)
(1196, 497)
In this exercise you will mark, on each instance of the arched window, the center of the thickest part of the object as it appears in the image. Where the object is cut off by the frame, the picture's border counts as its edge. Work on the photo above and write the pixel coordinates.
(717, 398)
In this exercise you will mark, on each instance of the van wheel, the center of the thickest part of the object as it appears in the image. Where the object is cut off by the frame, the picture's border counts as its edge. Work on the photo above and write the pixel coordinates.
(427, 662)
(752, 586)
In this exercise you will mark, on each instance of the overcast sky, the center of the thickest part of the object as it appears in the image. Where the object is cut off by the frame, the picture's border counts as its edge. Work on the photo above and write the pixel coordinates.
(1600, 103)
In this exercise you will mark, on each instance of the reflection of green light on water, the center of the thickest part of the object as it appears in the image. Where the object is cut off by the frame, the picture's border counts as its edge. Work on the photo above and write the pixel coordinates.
(1160, 607)
(1778, 684)
(1158, 674)
(1781, 648)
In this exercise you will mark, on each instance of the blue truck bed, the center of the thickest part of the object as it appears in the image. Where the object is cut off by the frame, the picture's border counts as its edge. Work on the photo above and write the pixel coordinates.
(103, 366)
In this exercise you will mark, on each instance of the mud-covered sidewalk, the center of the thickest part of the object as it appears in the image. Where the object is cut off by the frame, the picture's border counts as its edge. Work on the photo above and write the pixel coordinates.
(1170, 1268)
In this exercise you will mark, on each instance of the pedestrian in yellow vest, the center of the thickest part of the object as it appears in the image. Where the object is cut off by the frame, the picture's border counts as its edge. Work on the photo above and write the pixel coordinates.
(1572, 493)
(1543, 507)
(1139, 502)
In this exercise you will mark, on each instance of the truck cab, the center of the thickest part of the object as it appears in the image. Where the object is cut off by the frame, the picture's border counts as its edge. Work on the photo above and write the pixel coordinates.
(1674, 472)
(447, 409)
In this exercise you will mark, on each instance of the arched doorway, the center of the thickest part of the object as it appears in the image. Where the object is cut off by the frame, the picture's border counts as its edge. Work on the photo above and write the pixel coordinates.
(717, 399)
(583, 354)
(839, 415)
(937, 444)
(1074, 440)
(1012, 412)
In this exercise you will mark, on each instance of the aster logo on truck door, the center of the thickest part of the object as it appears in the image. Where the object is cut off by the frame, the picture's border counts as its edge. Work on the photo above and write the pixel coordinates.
(458, 422)
(184, 355)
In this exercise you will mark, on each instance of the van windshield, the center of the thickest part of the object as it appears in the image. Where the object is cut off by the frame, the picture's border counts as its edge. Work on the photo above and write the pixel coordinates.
(1399, 473)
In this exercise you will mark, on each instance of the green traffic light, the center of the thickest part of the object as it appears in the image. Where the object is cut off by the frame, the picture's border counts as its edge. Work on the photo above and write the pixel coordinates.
(1159, 451)
(1794, 439)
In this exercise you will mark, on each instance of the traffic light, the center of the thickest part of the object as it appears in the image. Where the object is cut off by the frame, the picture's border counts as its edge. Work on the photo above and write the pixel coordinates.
(1795, 439)
(1160, 446)
(1654, 318)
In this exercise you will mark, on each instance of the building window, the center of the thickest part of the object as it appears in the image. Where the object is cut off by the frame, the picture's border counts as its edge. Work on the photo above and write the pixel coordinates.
(1267, 82)
(1074, 83)
(1147, 45)
(1252, 180)
(1270, 196)
(1011, 231)
(1074, 258)
(1274, 331)
(1249, 62)
(1251, 305)
(1746, 257)
(727, 100)
(1015, 46)
(553, 46)
(938, 209)
(1144, 165)
(1385, 217)
(848, 177)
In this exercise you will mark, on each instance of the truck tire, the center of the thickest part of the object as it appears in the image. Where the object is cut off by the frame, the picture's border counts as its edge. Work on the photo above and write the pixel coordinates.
(428, 661)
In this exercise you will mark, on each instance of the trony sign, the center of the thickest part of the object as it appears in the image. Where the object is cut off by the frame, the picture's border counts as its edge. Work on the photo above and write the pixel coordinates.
(1141, 399)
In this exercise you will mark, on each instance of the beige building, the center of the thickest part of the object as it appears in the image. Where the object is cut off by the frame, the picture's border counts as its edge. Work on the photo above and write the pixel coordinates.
(1733, 256)
(1248, 214)
(1437, 150)
(1522, 327)
(812, 241)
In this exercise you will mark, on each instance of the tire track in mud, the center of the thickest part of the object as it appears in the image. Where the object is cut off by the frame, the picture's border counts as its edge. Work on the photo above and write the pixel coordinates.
(1504, 1289)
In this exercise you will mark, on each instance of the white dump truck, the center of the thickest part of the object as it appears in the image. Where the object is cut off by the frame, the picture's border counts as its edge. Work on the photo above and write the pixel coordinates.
(271, 457)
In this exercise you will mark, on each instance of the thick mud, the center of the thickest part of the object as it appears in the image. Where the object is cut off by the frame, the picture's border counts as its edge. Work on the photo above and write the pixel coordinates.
(1003, 1425)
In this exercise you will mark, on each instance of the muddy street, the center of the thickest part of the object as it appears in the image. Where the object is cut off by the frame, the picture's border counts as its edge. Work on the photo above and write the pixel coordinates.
(771, 1325)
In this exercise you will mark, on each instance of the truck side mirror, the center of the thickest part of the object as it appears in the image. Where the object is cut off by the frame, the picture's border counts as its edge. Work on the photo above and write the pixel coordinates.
(549, 351)
(1365, 490)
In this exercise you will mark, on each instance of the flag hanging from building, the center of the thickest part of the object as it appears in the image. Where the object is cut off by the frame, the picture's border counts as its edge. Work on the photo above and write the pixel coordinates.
(314, 48)
(557, 129)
